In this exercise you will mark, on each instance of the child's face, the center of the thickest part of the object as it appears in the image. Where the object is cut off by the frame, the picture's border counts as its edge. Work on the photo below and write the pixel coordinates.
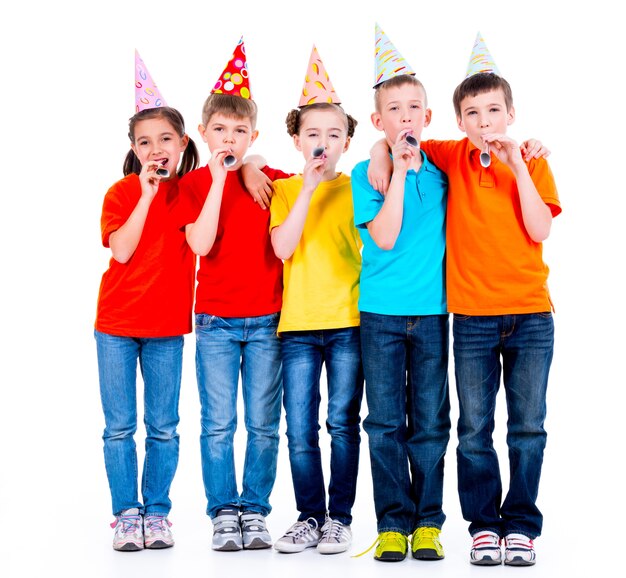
(233, 134)
(484, 113)
(323, 128)
(157, 140)
(402, 109)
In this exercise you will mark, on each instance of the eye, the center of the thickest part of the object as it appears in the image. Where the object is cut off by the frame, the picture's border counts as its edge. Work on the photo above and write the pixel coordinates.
(242, 131)
(142, 142)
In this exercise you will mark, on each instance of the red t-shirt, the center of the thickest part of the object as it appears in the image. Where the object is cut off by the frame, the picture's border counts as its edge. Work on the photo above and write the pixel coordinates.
(241, 276)
(151, 295)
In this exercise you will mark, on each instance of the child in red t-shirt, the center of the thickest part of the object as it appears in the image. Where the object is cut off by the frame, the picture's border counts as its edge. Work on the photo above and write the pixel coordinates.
(238, 303)
(144, 308)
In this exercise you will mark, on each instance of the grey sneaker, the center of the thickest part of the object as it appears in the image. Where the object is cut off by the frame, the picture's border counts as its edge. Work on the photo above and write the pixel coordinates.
(303, 534)
(128, 531)
(254, 531)
(157, 533)
(336, 537)
(226, 531)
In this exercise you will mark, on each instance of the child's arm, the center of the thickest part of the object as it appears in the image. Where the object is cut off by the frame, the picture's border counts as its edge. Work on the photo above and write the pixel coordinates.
(385, 227)
(286, 236)
(257, 183)
(201, 234)
(380, 167)
(124, 241)
(536, 214)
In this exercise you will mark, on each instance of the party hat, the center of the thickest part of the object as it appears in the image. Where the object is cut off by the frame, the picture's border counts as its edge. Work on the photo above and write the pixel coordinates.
(234, 78)
(481, 60)
(389, 62)
(147, 95)
(317, 85)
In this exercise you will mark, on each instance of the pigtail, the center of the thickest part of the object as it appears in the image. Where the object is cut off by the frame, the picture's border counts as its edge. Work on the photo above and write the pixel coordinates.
(131, 164)
(293, 122)
(352, 122)
(190, 160)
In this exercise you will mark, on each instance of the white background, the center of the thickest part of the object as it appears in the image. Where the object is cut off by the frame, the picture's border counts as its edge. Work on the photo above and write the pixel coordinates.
(67, 93)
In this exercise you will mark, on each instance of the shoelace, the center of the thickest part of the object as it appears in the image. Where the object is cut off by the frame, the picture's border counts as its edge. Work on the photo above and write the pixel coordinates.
(429, 533)
(333, 531)
(302, 527)
(156, 523)
(383, 537)
(129, 523)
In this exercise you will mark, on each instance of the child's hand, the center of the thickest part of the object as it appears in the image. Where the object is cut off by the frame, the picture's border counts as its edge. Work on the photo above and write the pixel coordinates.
(216, 164)
(258, 184)
(403, 153)
(504, 147)
(534, 149)
(313, 172)
(149, 179)
(380, 168)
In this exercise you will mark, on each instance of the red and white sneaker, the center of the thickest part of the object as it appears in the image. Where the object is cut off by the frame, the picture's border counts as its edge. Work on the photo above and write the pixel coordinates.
(128, 531)
(486, 549)
(519, 550)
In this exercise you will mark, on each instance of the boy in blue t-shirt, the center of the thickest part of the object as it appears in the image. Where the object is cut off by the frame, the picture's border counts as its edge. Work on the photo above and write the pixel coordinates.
(404, 328)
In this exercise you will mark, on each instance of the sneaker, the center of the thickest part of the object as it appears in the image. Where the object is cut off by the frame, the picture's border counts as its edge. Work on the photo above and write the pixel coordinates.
(426, 545)
(254, 531)
(128, 531)
(157, 533)
(303, 534)
(392, 547)
(486, 549)
(226, 531)
(519, 550)
(336, 537)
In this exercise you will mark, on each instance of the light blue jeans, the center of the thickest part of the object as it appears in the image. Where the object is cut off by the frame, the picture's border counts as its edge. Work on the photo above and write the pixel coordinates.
(160, 360)
(226, 346)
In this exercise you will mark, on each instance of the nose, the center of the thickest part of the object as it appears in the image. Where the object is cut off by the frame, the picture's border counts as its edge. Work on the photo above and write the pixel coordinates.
(484, 121)
(229, 137)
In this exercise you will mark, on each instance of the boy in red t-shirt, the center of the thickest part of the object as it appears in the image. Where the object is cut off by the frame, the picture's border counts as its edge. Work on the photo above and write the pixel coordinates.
(238, 302)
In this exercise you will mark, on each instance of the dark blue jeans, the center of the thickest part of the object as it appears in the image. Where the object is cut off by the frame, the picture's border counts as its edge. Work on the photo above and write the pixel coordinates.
(303, 353)
(518, 348)
(405, 359)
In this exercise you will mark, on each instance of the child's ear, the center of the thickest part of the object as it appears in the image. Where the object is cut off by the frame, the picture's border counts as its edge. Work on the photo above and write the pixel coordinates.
(377, 121)
(202, 131)
(296, 142)
(460, 124)
(510, 117)
(428, 115)
(347, 145)
(184, 141)
(253, 136)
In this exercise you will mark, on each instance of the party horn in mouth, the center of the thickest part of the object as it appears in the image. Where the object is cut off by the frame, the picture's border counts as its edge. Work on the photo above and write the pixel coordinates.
(411, 140)
(229, 160)
(485, 156)
(317, 152)
(162, 172)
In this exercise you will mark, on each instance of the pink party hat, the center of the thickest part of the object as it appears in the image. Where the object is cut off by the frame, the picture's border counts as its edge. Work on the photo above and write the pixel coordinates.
(147, 95)
(389, 62)
(234, 78)
(481, 60)
(317, 85)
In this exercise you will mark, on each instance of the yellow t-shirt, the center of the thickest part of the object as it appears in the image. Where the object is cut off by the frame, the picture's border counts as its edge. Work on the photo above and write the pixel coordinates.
(321, 279)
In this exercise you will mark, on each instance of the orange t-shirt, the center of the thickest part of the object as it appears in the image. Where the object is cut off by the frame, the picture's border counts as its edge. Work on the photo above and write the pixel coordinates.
(152, 294)
(492, 266)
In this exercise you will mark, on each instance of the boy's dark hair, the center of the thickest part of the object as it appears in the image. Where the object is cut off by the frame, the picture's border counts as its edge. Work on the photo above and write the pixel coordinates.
(396, 81)
(171, 115)
(479, 83)
(230, 106)
(294, 118)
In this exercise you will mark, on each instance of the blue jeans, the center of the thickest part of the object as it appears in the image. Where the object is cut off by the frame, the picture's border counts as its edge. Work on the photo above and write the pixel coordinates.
(520, 348)
(405, 359)
(304, 352)
(224, 347)
(160, 360)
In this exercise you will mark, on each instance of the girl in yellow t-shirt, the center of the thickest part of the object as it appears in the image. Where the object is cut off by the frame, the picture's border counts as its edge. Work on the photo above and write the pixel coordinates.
(312, 230)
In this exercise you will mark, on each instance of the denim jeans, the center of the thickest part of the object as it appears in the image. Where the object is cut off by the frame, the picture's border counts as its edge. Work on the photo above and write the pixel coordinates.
(160, 360)
(304, 353)
(518, 347)
(224, 347)
(405, 359)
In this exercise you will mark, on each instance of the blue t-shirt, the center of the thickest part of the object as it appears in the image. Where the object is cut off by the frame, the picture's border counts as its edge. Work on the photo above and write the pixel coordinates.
(410, 278)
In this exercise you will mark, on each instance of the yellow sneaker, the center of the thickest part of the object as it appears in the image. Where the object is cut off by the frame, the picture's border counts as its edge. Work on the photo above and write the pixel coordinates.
(392, 547)
(426, 545)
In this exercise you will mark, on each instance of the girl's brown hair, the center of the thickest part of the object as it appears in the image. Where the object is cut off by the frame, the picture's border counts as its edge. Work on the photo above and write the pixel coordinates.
(171, 115)
(295, 117)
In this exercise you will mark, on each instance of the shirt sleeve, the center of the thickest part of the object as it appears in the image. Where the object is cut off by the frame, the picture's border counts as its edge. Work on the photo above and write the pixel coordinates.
(275, 174)
(367, 200)
(115, 212)
(543, 178)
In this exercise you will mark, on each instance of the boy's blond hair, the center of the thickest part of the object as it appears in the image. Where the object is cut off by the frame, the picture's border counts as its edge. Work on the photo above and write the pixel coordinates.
(396, 81)
(230, 106)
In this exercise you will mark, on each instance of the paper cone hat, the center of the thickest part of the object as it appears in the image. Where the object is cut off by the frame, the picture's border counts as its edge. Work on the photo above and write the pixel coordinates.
(234, 78)
(317, 85)
(147, 95)
(481, 60)
(389, 62)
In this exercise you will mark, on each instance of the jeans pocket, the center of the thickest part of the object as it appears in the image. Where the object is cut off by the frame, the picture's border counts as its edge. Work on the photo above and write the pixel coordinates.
(204, 321)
